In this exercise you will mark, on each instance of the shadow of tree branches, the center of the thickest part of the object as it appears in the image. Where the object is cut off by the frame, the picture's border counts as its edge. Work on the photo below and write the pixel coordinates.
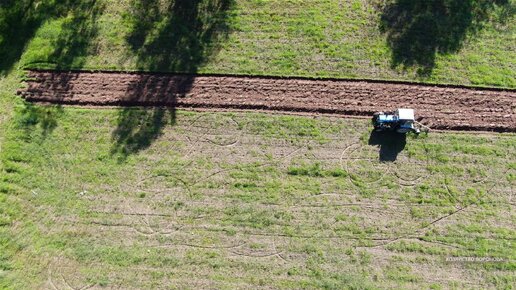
(20, 19)
(79, 28)
(171, 36)
(418, 30)
(165, 35)
(30, 117)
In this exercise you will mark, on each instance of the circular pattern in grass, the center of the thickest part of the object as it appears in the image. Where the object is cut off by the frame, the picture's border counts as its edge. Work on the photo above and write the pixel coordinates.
(363, 165)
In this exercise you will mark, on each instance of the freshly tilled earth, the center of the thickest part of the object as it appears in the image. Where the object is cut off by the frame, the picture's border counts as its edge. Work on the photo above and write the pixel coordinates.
(439, 107)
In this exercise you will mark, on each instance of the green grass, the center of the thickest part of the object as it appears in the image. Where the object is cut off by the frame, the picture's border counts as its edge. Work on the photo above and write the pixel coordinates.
(245, 199)
(368, 39)
(126, 198)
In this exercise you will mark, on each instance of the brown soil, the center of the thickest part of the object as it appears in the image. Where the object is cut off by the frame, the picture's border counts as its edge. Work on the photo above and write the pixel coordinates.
(438, 107)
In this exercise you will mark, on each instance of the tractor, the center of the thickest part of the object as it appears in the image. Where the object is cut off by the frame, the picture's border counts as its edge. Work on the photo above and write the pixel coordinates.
(401, 121)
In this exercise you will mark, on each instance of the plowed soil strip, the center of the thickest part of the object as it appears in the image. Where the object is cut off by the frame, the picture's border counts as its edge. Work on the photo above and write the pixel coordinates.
(438, 107)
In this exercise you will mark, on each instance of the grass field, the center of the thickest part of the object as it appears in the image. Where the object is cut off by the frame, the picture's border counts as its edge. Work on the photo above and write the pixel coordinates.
(226, 200)
(459, 42)
(129, 198)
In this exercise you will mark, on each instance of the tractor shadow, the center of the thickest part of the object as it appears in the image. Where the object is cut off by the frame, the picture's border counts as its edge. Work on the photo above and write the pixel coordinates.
(390, 143)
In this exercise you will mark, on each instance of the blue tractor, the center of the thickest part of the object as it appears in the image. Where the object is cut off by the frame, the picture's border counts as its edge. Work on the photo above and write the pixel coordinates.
(401, 121)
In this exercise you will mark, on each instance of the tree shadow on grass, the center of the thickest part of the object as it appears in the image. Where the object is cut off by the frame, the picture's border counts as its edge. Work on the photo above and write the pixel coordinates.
(30, 117)
(177, 35)
(391, 144)
(418, 30)
(167, 36)
(138, 127)
(20, 19)
(79, 28)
